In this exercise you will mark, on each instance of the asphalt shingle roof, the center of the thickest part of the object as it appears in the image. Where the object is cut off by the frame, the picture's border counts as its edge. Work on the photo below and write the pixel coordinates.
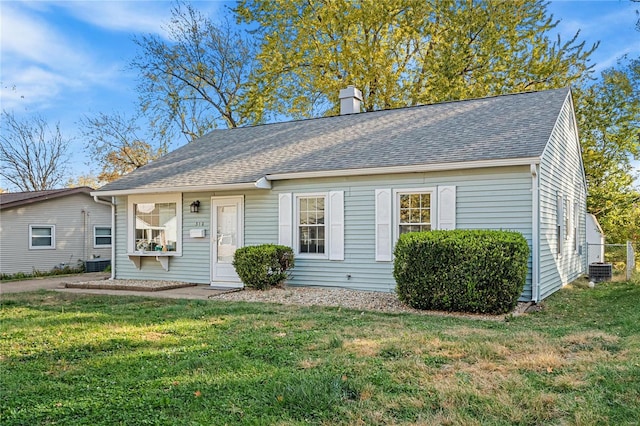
(14, 199)
(501, 127)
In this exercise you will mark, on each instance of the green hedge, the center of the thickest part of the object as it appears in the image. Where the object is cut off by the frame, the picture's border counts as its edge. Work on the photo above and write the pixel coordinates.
(263, 266)
(463, 271)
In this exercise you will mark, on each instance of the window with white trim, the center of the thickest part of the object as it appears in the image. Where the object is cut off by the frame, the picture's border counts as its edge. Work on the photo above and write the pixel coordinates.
(155, 223)
(560, 215)
(101, 236)
(42, 237)
(414, 211)
(567, 218)
(311, 224)
(576, 226)
(398, 211)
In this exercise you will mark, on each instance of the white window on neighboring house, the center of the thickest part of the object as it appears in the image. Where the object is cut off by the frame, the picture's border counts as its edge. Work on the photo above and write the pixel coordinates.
(312, 224)
(42, 237)
(155, 223)
(101, 236)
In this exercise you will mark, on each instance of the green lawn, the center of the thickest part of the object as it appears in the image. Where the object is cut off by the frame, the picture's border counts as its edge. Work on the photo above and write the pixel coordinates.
(73, 359)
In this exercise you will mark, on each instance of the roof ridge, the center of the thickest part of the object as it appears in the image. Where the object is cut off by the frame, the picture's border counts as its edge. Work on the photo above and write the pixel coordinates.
(453, 131)
(13, 199)
(453, 101)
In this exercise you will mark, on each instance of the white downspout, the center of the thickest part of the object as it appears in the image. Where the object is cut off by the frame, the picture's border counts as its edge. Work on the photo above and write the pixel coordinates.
(113, 232)
(535, 234)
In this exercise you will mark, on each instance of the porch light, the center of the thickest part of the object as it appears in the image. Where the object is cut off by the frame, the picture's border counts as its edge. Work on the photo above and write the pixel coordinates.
(195, 206)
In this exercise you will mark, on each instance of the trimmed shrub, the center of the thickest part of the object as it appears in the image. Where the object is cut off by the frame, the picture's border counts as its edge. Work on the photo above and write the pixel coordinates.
(461, 270)
(263, 266)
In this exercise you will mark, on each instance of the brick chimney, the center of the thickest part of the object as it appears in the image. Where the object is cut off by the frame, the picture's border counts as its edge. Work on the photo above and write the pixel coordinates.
(350, 99)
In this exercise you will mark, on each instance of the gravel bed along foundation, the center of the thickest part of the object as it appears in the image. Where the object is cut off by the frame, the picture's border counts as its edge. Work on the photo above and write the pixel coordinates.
(300, 296)
(344, 298)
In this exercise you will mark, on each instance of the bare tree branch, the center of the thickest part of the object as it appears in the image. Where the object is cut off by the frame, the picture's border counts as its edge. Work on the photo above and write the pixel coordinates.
(33, 156)
(197, 81)
(116, 143)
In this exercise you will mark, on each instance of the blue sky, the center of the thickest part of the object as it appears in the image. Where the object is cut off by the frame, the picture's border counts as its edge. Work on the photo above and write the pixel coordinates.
(65, 59)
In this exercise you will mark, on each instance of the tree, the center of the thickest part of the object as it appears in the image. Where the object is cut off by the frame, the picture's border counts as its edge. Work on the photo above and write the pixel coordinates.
(84, 180)
(404, 52)
(115, 142)
(608, 114)
(33, 156)
(195, 82)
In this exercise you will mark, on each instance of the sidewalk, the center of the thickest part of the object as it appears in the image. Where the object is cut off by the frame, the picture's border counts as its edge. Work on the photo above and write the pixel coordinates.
(58, 284)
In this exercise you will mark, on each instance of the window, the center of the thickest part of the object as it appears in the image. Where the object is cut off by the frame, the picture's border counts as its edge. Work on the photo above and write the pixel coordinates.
(576, 226)
(101, 236)
(311, 224)
(42, 237)
(560, 217)
(567, 218)
(155, 226)
(398, 211)
(414, 212)
(154, 223)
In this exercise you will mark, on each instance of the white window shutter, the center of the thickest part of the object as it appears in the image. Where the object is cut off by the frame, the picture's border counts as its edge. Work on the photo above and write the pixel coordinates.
(285, 220)
(446, 207)
(383, 225)
(336, 225)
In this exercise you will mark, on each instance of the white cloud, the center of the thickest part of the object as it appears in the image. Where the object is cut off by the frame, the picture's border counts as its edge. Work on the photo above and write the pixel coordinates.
(33, 40)
(611, 23)
(40, 62)
(132, 16)
(126, 16)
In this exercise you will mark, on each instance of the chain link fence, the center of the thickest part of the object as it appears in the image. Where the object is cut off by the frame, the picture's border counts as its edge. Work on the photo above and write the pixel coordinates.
(621, 257)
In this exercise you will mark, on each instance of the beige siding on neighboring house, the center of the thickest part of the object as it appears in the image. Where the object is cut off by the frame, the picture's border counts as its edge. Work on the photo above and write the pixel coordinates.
(74, 217)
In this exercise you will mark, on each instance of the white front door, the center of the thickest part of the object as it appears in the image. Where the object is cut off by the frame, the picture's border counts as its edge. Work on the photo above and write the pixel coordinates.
(227, 215)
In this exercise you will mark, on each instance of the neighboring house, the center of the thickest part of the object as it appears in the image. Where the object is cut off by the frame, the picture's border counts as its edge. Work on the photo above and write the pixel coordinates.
(340, 190)
(595, 240)
(42, 229)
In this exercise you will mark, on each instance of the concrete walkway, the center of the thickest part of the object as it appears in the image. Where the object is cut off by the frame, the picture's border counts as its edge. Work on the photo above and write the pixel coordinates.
(58, 284)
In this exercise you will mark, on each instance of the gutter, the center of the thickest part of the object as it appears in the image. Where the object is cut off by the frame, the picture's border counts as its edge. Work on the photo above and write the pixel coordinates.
(261, 183)
(265, 181)
(420, 168)
(113, 232)
(535, 233)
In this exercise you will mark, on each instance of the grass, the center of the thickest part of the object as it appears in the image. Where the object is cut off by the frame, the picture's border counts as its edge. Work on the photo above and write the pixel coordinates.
(73, 359)
(21, 276)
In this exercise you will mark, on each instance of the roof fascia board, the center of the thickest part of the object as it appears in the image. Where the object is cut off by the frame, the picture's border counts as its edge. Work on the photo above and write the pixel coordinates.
(526, 161)
(46, 197)
(197, 188)
(574, 122)
(265, 183)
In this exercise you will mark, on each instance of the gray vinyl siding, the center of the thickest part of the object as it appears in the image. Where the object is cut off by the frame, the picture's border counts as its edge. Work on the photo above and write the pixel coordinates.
(492, 198)
(260, 226)
(561, 172)
(496, 198)
(74, 217)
